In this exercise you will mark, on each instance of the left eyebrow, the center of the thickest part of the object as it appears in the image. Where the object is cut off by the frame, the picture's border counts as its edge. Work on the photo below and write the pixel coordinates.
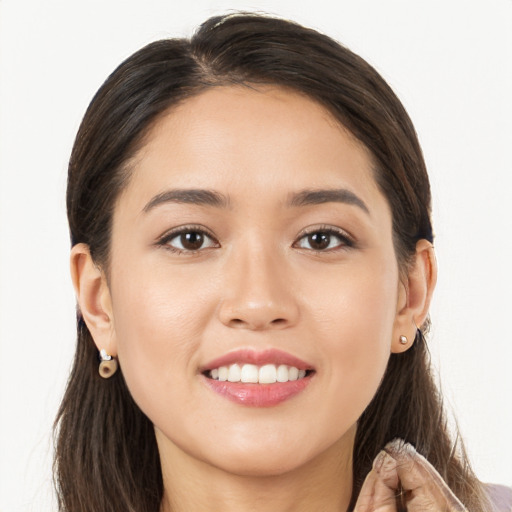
(321, 196)
(190, 196)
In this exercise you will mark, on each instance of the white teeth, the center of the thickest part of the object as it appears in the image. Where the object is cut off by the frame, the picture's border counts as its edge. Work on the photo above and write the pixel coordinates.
(250, 373)
(234, 373)
(293, 373)
(283, 374)
(223, 373)
(268, 374)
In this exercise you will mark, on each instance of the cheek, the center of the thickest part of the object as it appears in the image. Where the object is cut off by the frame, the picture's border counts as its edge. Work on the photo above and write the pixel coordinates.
(158, 333)
(356, 329)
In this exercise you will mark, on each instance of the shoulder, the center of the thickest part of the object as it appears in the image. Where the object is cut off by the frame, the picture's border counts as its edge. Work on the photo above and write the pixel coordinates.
(500, 496)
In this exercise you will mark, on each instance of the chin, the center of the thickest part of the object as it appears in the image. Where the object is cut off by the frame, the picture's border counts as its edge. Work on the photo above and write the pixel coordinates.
(261, 464)
(268, 456)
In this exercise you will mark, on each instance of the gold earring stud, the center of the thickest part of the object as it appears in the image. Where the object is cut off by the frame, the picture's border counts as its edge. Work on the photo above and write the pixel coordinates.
(404, 340)
(108, 365)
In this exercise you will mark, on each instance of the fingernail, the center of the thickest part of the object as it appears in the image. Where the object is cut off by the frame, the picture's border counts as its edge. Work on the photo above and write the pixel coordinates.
(377, 462)
(399, 447)
(383, 463)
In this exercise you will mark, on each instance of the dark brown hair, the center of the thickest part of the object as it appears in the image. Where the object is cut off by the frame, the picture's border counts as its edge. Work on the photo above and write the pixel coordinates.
(106, 446)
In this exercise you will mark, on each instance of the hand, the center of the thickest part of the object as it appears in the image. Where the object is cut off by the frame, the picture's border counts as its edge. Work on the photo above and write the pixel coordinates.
(401, 480)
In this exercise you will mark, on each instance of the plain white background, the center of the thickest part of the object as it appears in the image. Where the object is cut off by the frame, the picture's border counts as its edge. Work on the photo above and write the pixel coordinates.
(450, 61)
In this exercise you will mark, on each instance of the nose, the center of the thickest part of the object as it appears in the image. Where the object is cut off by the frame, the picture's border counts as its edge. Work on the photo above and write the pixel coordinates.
(258, 293)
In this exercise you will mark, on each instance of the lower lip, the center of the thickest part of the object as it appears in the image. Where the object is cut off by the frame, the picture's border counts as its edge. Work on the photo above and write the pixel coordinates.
(258, 395)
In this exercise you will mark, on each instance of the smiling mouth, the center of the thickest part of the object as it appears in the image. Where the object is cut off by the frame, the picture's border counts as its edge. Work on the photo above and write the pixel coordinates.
(253, 374)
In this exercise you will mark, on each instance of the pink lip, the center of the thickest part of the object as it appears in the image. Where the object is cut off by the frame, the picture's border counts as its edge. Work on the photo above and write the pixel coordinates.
(258, 395)
(259, 358)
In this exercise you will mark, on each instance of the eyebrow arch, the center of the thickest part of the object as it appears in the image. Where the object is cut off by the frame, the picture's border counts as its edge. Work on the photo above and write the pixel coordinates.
(320, 196)
(190, 196)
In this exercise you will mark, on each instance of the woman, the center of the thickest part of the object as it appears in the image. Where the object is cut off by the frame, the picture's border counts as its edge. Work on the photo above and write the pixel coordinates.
(252, 257)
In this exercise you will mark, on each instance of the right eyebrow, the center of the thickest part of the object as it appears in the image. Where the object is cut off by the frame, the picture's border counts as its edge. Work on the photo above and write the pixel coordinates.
(202, 197)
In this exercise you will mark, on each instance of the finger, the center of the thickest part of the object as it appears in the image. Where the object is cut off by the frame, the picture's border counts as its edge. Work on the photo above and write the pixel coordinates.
(425, 488)
(378, 492)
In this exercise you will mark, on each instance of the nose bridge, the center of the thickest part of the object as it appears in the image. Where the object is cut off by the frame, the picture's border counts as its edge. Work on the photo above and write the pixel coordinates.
(257, 293)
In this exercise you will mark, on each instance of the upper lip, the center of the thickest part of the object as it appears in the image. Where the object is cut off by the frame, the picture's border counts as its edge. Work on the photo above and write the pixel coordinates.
(258, 358)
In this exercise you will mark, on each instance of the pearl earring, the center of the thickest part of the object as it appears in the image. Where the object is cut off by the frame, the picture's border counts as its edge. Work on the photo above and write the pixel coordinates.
(404, 340)
(108, 365)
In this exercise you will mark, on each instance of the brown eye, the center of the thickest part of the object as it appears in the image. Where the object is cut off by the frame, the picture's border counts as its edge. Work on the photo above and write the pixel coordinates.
(189, 240)
(319, 241)
(324, 240)
(192, 241)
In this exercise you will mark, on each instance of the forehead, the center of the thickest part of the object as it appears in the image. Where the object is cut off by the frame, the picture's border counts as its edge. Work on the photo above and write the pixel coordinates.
(258, 140)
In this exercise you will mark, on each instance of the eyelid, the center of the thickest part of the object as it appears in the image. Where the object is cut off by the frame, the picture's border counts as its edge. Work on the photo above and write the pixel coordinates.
(164, 239)
(347, 238)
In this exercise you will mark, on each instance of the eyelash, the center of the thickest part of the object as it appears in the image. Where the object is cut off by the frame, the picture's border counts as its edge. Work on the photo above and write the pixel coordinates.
(165, 240)
(345, 240)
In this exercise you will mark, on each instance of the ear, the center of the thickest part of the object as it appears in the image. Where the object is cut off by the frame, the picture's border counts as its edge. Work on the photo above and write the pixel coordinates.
(414, 296)
(93, 296)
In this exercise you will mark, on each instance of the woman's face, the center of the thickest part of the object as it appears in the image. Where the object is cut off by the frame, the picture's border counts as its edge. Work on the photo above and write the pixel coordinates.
(252, 233)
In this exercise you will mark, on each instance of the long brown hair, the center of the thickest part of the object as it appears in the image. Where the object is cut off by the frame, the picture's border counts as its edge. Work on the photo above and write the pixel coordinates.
(106, 454)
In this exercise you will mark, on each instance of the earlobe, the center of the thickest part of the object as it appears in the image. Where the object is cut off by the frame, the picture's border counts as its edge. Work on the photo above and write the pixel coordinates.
(415, 296)
(93, 296)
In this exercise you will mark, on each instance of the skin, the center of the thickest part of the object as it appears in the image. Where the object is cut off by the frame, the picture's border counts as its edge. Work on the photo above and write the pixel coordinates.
(401, 477)
(257, 282)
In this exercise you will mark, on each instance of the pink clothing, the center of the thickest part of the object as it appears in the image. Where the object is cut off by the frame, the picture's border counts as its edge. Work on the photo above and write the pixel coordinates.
(500, 496)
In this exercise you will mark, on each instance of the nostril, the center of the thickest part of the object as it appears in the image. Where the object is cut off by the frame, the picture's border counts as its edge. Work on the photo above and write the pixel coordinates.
(257, 325)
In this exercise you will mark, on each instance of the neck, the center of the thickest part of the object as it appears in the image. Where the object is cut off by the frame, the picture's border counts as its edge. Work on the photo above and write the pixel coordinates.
(324, 483)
